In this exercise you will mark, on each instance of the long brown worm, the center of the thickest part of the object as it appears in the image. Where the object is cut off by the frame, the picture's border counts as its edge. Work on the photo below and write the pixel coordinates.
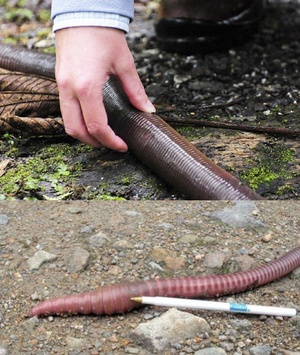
(116, 299)
(148, 137)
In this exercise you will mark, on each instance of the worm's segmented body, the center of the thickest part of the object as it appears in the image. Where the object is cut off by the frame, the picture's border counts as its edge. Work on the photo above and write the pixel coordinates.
(116, 299)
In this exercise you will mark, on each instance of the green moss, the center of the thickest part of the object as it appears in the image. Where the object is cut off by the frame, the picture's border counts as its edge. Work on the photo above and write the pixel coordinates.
(271, 164)
(126, 180)
(9, 40)
(49, 167)
(189, 132)
(30, 175)
(8, 138)
(285, 189)
(24, 177)
(18, 15)
(44, 15)
(107, 197)
(258, 175)
(65, 150)
(22, 3)
(20, 12)
(225, 269)
(49, 50)
(43, 33)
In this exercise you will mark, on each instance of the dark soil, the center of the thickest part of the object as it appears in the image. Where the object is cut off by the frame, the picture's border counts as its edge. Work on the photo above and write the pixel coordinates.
(254, 84)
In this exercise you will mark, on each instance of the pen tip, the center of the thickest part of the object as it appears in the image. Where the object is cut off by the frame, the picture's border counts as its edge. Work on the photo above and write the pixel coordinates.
(137, 299)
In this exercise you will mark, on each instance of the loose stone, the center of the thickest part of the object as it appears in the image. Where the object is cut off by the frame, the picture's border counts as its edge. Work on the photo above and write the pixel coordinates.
(87, 230)
(166, 226)
(75, 343)
(155, 266)
(188, 239)
(75, 210)
(39, 258)
(175, 263)
(130, 350)
(239, 215)
(241, 324)
(242, 263)
(211, 351)
(227, 346)
(260, 350)
(179, 79)
(172, 327)
(77, 259)
(98, 240)
(4, 219)
(3, 351)
(214, 260)
(122, 244)
(267, 237)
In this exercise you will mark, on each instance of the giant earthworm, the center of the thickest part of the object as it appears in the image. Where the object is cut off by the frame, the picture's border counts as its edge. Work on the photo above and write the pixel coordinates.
(148, 137)
(116, 299)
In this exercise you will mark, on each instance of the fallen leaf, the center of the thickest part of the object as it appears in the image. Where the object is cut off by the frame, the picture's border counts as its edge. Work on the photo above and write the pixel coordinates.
(3, 166)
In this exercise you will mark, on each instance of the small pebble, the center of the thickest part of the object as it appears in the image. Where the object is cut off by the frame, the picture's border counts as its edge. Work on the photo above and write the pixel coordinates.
(87, 230)
(179, 79)
(75, 210)
(4, 219)
(267, 237)
(260, 350)
(211, 351)
(3, 351)
(131, 350)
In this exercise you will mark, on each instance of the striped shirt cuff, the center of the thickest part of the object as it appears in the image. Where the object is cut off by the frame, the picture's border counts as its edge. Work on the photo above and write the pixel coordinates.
(101, 19)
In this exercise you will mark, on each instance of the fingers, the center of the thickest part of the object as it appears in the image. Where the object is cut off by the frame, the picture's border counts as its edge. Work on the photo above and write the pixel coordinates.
(134, 88)
(96, 122)
(85, 119)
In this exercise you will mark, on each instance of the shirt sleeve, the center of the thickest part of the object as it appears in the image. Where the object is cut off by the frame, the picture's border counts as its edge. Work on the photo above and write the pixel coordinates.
(106, 13)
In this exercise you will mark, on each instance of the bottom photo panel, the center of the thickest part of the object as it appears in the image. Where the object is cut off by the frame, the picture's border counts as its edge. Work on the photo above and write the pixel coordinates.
(172, 277)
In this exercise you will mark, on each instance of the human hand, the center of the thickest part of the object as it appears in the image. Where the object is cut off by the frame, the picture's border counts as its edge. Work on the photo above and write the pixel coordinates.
(85, 58)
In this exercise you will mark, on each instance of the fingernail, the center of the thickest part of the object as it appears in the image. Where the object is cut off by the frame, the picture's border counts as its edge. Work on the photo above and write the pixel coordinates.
(149, 107)
(122, 150)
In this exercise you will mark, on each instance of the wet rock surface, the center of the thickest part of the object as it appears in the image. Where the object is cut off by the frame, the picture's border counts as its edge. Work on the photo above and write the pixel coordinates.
(100, 243)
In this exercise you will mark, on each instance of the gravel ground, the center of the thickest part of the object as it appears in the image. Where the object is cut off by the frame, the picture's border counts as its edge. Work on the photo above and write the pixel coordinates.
(89, 244)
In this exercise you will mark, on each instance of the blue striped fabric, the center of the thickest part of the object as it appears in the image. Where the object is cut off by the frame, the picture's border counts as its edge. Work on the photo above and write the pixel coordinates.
(76, 19)
(108, 13)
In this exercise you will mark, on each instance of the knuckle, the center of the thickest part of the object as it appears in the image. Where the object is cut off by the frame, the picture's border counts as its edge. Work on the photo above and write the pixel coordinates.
(80, 86)
(96, 130)
(72, 132)
(62, 81)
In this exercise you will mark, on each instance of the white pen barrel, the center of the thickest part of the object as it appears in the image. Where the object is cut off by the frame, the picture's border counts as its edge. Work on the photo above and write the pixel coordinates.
(219, 306)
